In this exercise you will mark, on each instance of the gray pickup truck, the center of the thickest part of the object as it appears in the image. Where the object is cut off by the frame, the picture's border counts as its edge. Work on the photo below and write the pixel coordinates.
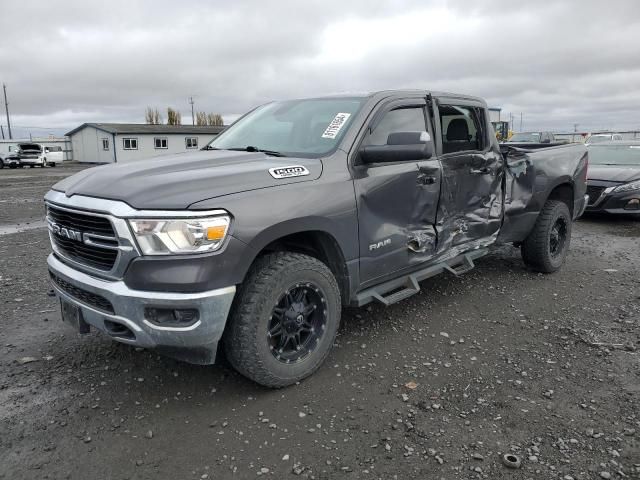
(254, 244)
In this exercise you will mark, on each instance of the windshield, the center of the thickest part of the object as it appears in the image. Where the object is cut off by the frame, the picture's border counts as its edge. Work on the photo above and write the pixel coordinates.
(614, 155)
(525, 137)
(304, 128)
(599, 138)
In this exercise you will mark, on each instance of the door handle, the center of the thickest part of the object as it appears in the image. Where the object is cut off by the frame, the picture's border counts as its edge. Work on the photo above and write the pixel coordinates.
(426, 180)
(480, 171)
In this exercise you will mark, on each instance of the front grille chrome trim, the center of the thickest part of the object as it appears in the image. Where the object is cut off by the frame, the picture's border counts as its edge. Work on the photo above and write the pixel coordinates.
(123, 241)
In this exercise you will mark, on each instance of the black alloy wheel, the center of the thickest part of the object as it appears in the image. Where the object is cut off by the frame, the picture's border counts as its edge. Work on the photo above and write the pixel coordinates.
(557, 237)
(297, 323)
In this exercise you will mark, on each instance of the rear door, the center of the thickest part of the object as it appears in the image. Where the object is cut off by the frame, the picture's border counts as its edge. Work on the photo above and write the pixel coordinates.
(397, 201)
(471, 204)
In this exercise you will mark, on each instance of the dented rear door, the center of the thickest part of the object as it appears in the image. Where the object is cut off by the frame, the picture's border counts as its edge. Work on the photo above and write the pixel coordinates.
(472, 202)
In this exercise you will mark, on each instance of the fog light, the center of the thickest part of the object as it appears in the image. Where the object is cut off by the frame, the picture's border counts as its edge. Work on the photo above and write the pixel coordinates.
(172, 317)
(633, 204)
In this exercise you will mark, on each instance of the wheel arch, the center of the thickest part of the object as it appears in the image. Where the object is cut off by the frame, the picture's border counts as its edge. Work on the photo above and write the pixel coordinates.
(564, 192)
(307, 237)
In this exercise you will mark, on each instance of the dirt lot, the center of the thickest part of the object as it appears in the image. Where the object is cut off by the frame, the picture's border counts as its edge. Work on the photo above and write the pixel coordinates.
(439, 386)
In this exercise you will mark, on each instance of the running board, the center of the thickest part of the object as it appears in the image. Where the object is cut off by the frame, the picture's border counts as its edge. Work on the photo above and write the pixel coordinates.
(404, 287)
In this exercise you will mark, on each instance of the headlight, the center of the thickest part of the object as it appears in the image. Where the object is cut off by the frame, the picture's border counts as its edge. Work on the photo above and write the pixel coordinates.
(627, 187)
(179, 236)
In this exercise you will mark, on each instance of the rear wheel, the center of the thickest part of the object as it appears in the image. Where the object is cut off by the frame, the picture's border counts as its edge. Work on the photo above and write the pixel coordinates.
(1, 164)
(284, 320)
(547, 245)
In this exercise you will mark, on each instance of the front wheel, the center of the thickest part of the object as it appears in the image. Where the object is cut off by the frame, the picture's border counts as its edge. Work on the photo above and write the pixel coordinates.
(284, 320)
(547, 245)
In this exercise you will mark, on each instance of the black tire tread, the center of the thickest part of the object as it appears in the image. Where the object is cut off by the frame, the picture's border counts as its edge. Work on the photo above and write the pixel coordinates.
(241, 335)
(534, 248)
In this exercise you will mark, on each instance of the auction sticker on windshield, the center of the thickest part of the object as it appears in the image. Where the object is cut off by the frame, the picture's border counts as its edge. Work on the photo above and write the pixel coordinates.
(336, 125)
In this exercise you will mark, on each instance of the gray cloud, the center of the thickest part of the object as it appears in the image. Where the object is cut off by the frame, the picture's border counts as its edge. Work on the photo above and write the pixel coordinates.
(68, 62)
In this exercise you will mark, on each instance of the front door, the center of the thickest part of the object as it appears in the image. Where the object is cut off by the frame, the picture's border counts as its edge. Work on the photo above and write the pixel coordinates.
(397, 201)
(471, 203)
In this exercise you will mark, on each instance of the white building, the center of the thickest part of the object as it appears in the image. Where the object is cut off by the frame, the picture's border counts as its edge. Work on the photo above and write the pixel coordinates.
(125, 142)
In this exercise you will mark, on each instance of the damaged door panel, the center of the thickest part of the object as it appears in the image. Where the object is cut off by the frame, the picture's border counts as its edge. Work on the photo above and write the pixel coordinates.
(397, 200)
(471, 202)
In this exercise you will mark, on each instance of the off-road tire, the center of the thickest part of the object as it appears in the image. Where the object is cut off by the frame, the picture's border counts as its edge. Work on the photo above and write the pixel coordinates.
(245, 340)
(536, 251)
(1, 164)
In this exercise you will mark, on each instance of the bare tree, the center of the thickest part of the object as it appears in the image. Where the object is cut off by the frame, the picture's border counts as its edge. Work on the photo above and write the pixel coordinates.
(201, 118)
(173, 117)
(152, 116)
(215, 119)
(148, 116)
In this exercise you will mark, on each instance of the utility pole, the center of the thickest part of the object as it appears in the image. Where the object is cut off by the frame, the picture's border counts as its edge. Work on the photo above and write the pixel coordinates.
(520, 121)
(2, 130)
(575, 127)
(193, 118)
(6, 109)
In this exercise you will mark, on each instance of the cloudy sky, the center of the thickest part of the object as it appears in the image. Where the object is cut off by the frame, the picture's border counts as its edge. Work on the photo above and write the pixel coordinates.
(559, 63)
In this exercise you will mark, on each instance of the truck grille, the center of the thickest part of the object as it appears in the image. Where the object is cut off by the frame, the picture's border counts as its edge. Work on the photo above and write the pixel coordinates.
(76, 246)
(88, 298)
(594, 193)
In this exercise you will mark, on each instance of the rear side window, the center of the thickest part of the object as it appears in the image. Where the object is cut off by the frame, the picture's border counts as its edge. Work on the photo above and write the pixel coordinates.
(462, 128)
(394, 121)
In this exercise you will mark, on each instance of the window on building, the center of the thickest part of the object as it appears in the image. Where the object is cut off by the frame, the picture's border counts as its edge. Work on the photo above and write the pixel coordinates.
(462, 128)
(160, 142)
(130, 143)
(191, 142)
(105, 144)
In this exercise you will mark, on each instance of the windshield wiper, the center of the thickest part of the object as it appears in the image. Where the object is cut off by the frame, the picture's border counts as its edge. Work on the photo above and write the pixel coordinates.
(251, 148)
(209, 147)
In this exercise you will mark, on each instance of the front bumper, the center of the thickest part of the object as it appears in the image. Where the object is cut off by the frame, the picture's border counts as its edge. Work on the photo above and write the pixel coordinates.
(616, 202)
(125, 321)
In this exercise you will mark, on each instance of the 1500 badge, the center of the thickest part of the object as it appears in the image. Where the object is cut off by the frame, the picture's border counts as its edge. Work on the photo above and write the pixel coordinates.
(290, 171)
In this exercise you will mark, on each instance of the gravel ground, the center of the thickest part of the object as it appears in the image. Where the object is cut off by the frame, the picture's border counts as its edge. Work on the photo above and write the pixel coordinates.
(440, 386)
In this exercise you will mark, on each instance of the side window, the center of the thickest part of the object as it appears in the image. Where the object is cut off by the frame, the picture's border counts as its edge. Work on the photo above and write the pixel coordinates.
(462, 128)
(399, 120)
(105, 144)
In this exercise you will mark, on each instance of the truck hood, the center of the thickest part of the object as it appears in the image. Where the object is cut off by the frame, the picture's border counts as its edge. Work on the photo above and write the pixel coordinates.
(614, 173)
(175, 182)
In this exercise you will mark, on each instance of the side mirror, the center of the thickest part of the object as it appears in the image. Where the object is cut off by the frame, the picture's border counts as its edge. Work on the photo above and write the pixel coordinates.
(401, 146)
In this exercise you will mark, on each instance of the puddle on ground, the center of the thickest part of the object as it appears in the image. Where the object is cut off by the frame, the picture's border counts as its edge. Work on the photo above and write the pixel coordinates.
(21, 227)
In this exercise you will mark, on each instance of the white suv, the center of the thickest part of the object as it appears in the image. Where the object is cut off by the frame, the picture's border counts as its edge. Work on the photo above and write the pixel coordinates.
(32, 154)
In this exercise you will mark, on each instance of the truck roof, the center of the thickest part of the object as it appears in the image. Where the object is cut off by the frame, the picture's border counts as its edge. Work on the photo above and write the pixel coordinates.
(380, 94)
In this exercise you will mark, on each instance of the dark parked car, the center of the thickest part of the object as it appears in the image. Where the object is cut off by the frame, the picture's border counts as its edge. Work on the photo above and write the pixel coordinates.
(613, 183)
(299, 208)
